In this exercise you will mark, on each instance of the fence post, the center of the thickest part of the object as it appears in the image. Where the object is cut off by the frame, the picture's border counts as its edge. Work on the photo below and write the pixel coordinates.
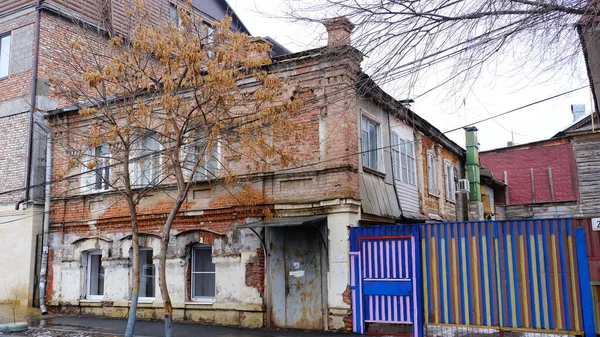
(584, 283)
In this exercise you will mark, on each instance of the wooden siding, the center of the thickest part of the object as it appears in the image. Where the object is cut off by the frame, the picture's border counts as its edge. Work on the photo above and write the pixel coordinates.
(109, 13)
(378, 197)
(587, 158)
(7, 6)
(541, 210)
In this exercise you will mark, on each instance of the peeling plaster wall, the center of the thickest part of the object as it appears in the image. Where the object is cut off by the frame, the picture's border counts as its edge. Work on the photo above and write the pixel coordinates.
(17, 261)
(338, 275)
(231, 255)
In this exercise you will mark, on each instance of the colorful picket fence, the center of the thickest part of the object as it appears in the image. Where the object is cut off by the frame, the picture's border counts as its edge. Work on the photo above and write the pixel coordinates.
(503, 275)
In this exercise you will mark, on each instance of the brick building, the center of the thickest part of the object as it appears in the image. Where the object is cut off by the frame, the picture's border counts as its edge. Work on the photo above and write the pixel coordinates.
(34, 37)
(375, 161)
(370, 156)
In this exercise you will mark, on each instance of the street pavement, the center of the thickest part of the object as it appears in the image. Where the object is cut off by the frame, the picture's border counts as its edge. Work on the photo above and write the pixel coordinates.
(156, 328)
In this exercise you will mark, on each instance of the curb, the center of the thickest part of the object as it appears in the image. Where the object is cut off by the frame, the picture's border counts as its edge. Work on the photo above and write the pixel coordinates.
(17, 327)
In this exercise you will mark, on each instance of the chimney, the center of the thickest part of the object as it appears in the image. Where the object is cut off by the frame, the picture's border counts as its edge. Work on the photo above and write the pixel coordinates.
(338, 31)
(578, 111)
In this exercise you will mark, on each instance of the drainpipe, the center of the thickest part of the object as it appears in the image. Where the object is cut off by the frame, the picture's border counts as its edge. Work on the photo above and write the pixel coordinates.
(33, 101)
(473, 174)
(44, 263)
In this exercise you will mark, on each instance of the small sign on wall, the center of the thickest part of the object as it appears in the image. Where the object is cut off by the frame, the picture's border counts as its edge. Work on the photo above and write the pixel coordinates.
(596, 224)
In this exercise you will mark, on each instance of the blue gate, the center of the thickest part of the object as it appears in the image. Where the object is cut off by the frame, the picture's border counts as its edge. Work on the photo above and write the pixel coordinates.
(384, 285)
(527, 275)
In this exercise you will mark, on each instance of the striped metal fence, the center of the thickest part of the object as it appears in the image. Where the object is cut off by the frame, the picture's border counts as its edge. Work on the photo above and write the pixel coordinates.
(503, 275)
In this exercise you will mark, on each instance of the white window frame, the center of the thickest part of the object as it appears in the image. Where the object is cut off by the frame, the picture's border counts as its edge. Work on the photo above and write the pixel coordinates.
(201, 173)
(411, 162)
(89, 178)
(378, 162)
(137, 162)
(145, 298)
(174, 19)
(401, 150)
(5, 44)
(396, 158)
(89, 275)
(201, 299)
(432, 183)
(449, 185)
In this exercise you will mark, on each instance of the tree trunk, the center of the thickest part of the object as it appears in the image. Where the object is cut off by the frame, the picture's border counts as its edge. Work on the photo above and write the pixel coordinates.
(162, 279)
(135, 287)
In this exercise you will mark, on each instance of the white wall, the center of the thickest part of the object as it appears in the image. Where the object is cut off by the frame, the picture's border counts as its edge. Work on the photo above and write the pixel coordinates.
(18, 231)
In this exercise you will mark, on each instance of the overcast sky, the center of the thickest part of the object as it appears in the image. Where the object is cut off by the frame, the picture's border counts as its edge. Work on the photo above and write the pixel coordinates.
(494, 93)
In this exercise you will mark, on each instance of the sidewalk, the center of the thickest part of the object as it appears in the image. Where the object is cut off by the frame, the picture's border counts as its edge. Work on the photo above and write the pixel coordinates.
(156, 328)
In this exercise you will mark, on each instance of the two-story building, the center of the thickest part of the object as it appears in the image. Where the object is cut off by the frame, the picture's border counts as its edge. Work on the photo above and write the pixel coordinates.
(365, 158)
(34, 39)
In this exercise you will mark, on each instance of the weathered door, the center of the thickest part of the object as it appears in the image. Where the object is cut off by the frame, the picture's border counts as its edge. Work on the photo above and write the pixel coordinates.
(296, 274)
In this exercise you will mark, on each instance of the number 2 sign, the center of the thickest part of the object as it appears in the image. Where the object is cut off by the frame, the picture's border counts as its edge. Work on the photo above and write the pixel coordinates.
(596, 224)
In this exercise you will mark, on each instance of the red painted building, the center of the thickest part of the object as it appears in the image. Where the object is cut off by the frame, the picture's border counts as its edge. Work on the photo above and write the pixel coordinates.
(541, 178)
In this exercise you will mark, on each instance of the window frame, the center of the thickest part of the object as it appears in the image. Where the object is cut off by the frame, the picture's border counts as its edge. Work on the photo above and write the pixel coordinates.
(7, 55)
(147, 298)
(411, 161)
(200, 299)
(396, 157)
(105, 170)
(89, 178)
(401, 148)
(449, 186)
(377, 128)
(432, 180)
(201, 173)
(137, 162)
(174, 6)
(88, 276)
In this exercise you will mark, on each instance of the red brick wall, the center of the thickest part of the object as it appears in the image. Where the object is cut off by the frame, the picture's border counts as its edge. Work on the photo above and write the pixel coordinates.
(518, 161)
(13, 156)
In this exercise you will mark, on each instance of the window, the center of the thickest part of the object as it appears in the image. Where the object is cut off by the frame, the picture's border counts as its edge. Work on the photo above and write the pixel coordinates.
(102, 171)
(369, 135)
(4, 55)
(432, 186)
(208, 38)
(207, 157)
(174, 14)
(147, 274)
(449, 180)
(147, 163)
(396, 157)
(95, 275)
(96, 178)
(203, 273)
(403, 158)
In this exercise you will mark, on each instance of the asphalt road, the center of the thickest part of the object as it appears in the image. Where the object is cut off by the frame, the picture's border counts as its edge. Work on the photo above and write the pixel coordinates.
(156, 328)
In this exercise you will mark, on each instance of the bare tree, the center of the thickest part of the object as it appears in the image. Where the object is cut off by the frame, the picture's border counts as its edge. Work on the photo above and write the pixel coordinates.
(154, 108)
(12, 299)
(457, 38)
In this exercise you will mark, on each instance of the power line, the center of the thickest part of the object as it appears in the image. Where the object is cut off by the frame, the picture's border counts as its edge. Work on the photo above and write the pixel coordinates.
(325, 161)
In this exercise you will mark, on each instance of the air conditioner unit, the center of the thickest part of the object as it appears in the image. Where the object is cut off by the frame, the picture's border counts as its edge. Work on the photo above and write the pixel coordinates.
(463, 186)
